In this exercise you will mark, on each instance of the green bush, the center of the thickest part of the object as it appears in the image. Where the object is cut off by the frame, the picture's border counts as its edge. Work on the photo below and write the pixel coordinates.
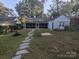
(1, 29)
(18, 26)
(69, 29)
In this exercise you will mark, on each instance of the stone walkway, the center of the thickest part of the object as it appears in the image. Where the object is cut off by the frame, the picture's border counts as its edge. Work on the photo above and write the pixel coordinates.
(24, 46)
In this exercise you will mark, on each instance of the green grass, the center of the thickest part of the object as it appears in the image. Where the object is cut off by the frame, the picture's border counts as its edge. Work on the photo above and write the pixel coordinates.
(49, 47)
(9, 44)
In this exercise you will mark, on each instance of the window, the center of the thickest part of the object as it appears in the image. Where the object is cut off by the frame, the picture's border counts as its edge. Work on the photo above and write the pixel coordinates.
(61, 24)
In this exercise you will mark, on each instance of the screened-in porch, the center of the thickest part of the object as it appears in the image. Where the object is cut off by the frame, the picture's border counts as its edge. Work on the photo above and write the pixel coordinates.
(36, 25)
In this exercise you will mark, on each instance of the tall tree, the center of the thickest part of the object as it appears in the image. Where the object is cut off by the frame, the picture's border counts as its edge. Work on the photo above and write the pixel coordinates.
(4, 11)
(56, 7)
(71, 7)
(57, 4)
(29, 8)
(66, 8)
(76, 5)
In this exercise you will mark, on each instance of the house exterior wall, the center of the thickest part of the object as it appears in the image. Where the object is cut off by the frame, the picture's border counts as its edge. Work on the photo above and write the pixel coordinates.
(56, 25)
(50, 25)
(57, 22)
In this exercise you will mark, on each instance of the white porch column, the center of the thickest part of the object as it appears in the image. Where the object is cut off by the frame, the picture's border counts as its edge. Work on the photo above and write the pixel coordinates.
(37, 25)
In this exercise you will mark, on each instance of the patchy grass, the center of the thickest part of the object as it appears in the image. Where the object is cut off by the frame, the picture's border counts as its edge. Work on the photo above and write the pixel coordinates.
(54, 47)
(9, 44)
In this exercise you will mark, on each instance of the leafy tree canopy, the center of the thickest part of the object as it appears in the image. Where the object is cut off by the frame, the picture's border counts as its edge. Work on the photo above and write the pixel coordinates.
(4, 11)
(29, 8)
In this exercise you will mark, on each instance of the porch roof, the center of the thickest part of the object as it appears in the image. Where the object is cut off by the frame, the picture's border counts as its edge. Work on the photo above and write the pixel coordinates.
(38, 20)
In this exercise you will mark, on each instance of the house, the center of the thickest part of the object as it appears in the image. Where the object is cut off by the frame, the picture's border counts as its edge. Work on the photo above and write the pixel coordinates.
(59, 23)
(7, 22)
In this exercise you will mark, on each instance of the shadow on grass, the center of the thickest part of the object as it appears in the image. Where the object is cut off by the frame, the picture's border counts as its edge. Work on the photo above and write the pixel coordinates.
(16, 34)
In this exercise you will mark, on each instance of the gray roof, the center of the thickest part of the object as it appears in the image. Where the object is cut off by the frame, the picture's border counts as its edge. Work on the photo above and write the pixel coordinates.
(38, 20)
(7, 20)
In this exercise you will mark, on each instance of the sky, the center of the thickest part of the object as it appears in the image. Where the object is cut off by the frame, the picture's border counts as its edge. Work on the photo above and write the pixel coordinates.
(12, 3)
(47, 5)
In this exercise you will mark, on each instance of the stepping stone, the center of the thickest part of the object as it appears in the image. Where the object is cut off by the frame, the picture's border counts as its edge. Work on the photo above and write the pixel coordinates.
(21, 52)
(25, 41)
(24, 44)
(17, 57)
(27, 38)
(31, 35)
(23, 47)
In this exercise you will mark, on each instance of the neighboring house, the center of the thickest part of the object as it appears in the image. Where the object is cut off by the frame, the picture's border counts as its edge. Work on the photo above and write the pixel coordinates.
(7, 22)
(59, 23)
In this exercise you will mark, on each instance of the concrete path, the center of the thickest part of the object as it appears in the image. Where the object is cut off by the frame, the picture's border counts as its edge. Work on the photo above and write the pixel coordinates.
(24, 46)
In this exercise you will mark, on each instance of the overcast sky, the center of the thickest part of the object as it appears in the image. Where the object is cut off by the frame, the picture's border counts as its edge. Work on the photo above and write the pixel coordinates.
(12, 3)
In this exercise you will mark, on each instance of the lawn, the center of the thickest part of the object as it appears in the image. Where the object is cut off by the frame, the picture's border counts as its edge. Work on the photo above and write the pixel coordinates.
(9, 44)
(60, 45)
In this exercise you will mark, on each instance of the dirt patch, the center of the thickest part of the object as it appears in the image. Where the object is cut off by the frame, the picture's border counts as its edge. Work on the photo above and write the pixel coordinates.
(46, 34)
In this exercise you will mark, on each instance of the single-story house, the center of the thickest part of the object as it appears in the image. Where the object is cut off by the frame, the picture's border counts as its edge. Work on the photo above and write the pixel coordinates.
(59, 23)
(7, 22)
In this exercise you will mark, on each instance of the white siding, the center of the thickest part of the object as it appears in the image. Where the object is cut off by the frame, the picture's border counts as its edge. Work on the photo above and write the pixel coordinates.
(50, 24)
(67, 23)
(57, 21)
(56, 25)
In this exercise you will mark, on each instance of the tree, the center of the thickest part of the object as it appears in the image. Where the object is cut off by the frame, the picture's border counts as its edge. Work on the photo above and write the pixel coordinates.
(57, 5)
(56, 8)
(23, 19)
(71, 7)
(4, 11)
(29, 8)
(38, 9)
(75, 8)
(66, 8)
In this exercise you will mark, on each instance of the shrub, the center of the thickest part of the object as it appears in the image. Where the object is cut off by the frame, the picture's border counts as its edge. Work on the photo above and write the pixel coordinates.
(16, 34)
(68, 28)
(18, 26)
(1, 29)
